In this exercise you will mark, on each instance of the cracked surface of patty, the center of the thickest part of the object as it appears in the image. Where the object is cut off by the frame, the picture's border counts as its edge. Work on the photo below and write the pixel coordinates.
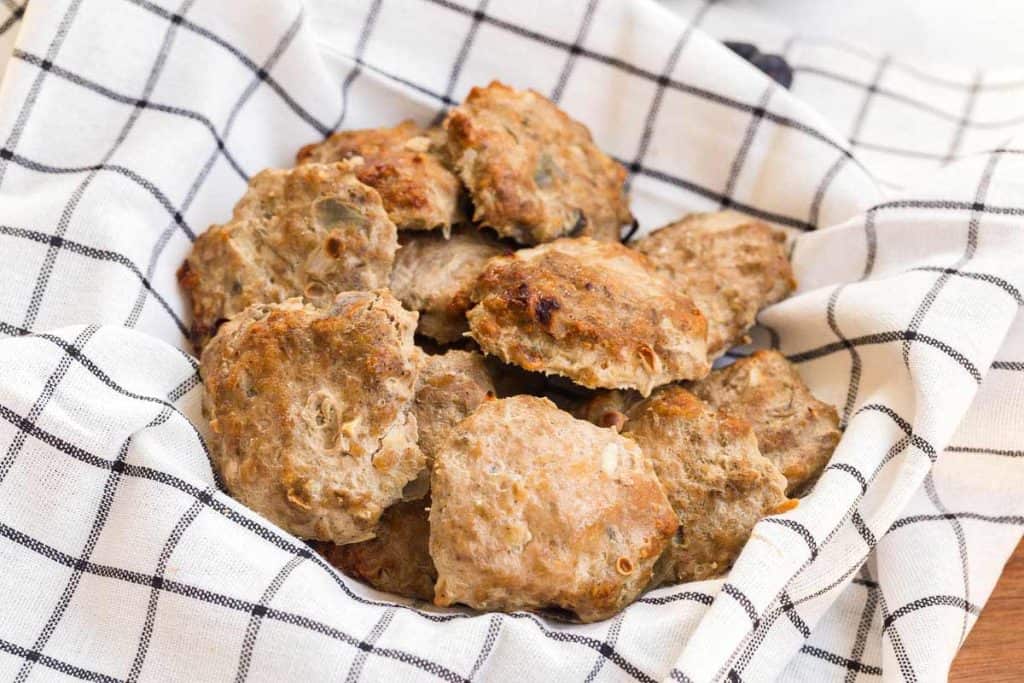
(794, 429)
(407, 166)
(717, 481)
(731, 266)
(312, 231)
(533, 172)
(533, 509)
(594, 312)
(433, 275)
(311, 412)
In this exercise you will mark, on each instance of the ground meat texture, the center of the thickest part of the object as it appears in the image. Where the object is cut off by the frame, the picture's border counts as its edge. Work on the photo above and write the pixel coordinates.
(731, 266)
(594, 312)
(533, 509)
(312, 231)
(406, 165)
(794, 430)
(533, 172)
(398, 559)
(311, 412)
(433, 275)
(451, 386)
(717, 481)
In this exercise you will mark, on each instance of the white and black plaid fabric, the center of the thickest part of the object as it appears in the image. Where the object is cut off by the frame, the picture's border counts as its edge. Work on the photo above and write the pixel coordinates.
(128, 126)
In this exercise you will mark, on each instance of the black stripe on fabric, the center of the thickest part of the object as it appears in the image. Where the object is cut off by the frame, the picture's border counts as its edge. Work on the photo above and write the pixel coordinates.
(650, 76)
(49, 389)
(1015, 366)
(688, 596)
(364, 38)
(610, 640)
(748, 209)
(867, 616)
(744, 602)
(853, 386)
(12, 19)
(154, 594)
(55, 664)
(1008, 453)
(814, 213)
(574, 50)
(200, 178)
(218, 599)
(739, 161)
(961, 543)
(659, 94)
(30, 100)
(789, 609)
(366, 645)
(915, 439)
(885, 338)
(460, 58)
(983, 277)
(852, 471)
(896, 641)
(833, 658)
(799, 529)
(64, 223)
(920, 74)
(257, 70)
(863, 145)
(272, 536)
(124, 171)
(930, 601)
(862, 528)
(99, 522)
(920, 105)
(99, 255)
(100, 89)
(949, 205)
(256, 617)
(1015, 520)
(869, 95)
(493, 629)
(679, 676)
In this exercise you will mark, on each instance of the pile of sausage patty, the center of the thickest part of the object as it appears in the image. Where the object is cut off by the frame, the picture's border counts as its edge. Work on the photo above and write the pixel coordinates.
(427, 352)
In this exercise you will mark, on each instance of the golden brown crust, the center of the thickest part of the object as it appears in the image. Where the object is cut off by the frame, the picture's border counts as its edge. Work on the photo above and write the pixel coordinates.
(406, 165)
(312, 231)
(731, 266)
(717, 481)
(398, 559)
(433, 275)
(534, 173)
(311, 412)
(794, 430)
(595, 312)
(534, 509)
(450, 387)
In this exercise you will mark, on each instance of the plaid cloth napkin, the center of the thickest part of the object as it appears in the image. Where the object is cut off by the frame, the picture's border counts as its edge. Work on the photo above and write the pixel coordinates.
(128, 126)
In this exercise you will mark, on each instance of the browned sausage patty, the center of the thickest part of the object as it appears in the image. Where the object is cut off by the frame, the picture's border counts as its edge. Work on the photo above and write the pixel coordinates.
(311, 411)
(533, 509)
(533, 172)
(595, 312)
(730, 265)
(717, 481)
(312, 231)
(433, 275)
(406, 165)
(794, 430)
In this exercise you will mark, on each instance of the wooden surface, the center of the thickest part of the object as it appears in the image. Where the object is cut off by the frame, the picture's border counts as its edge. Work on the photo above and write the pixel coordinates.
(993, 651)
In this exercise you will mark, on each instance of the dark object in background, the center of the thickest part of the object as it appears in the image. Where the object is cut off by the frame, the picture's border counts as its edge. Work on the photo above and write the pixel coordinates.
(774, 66)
